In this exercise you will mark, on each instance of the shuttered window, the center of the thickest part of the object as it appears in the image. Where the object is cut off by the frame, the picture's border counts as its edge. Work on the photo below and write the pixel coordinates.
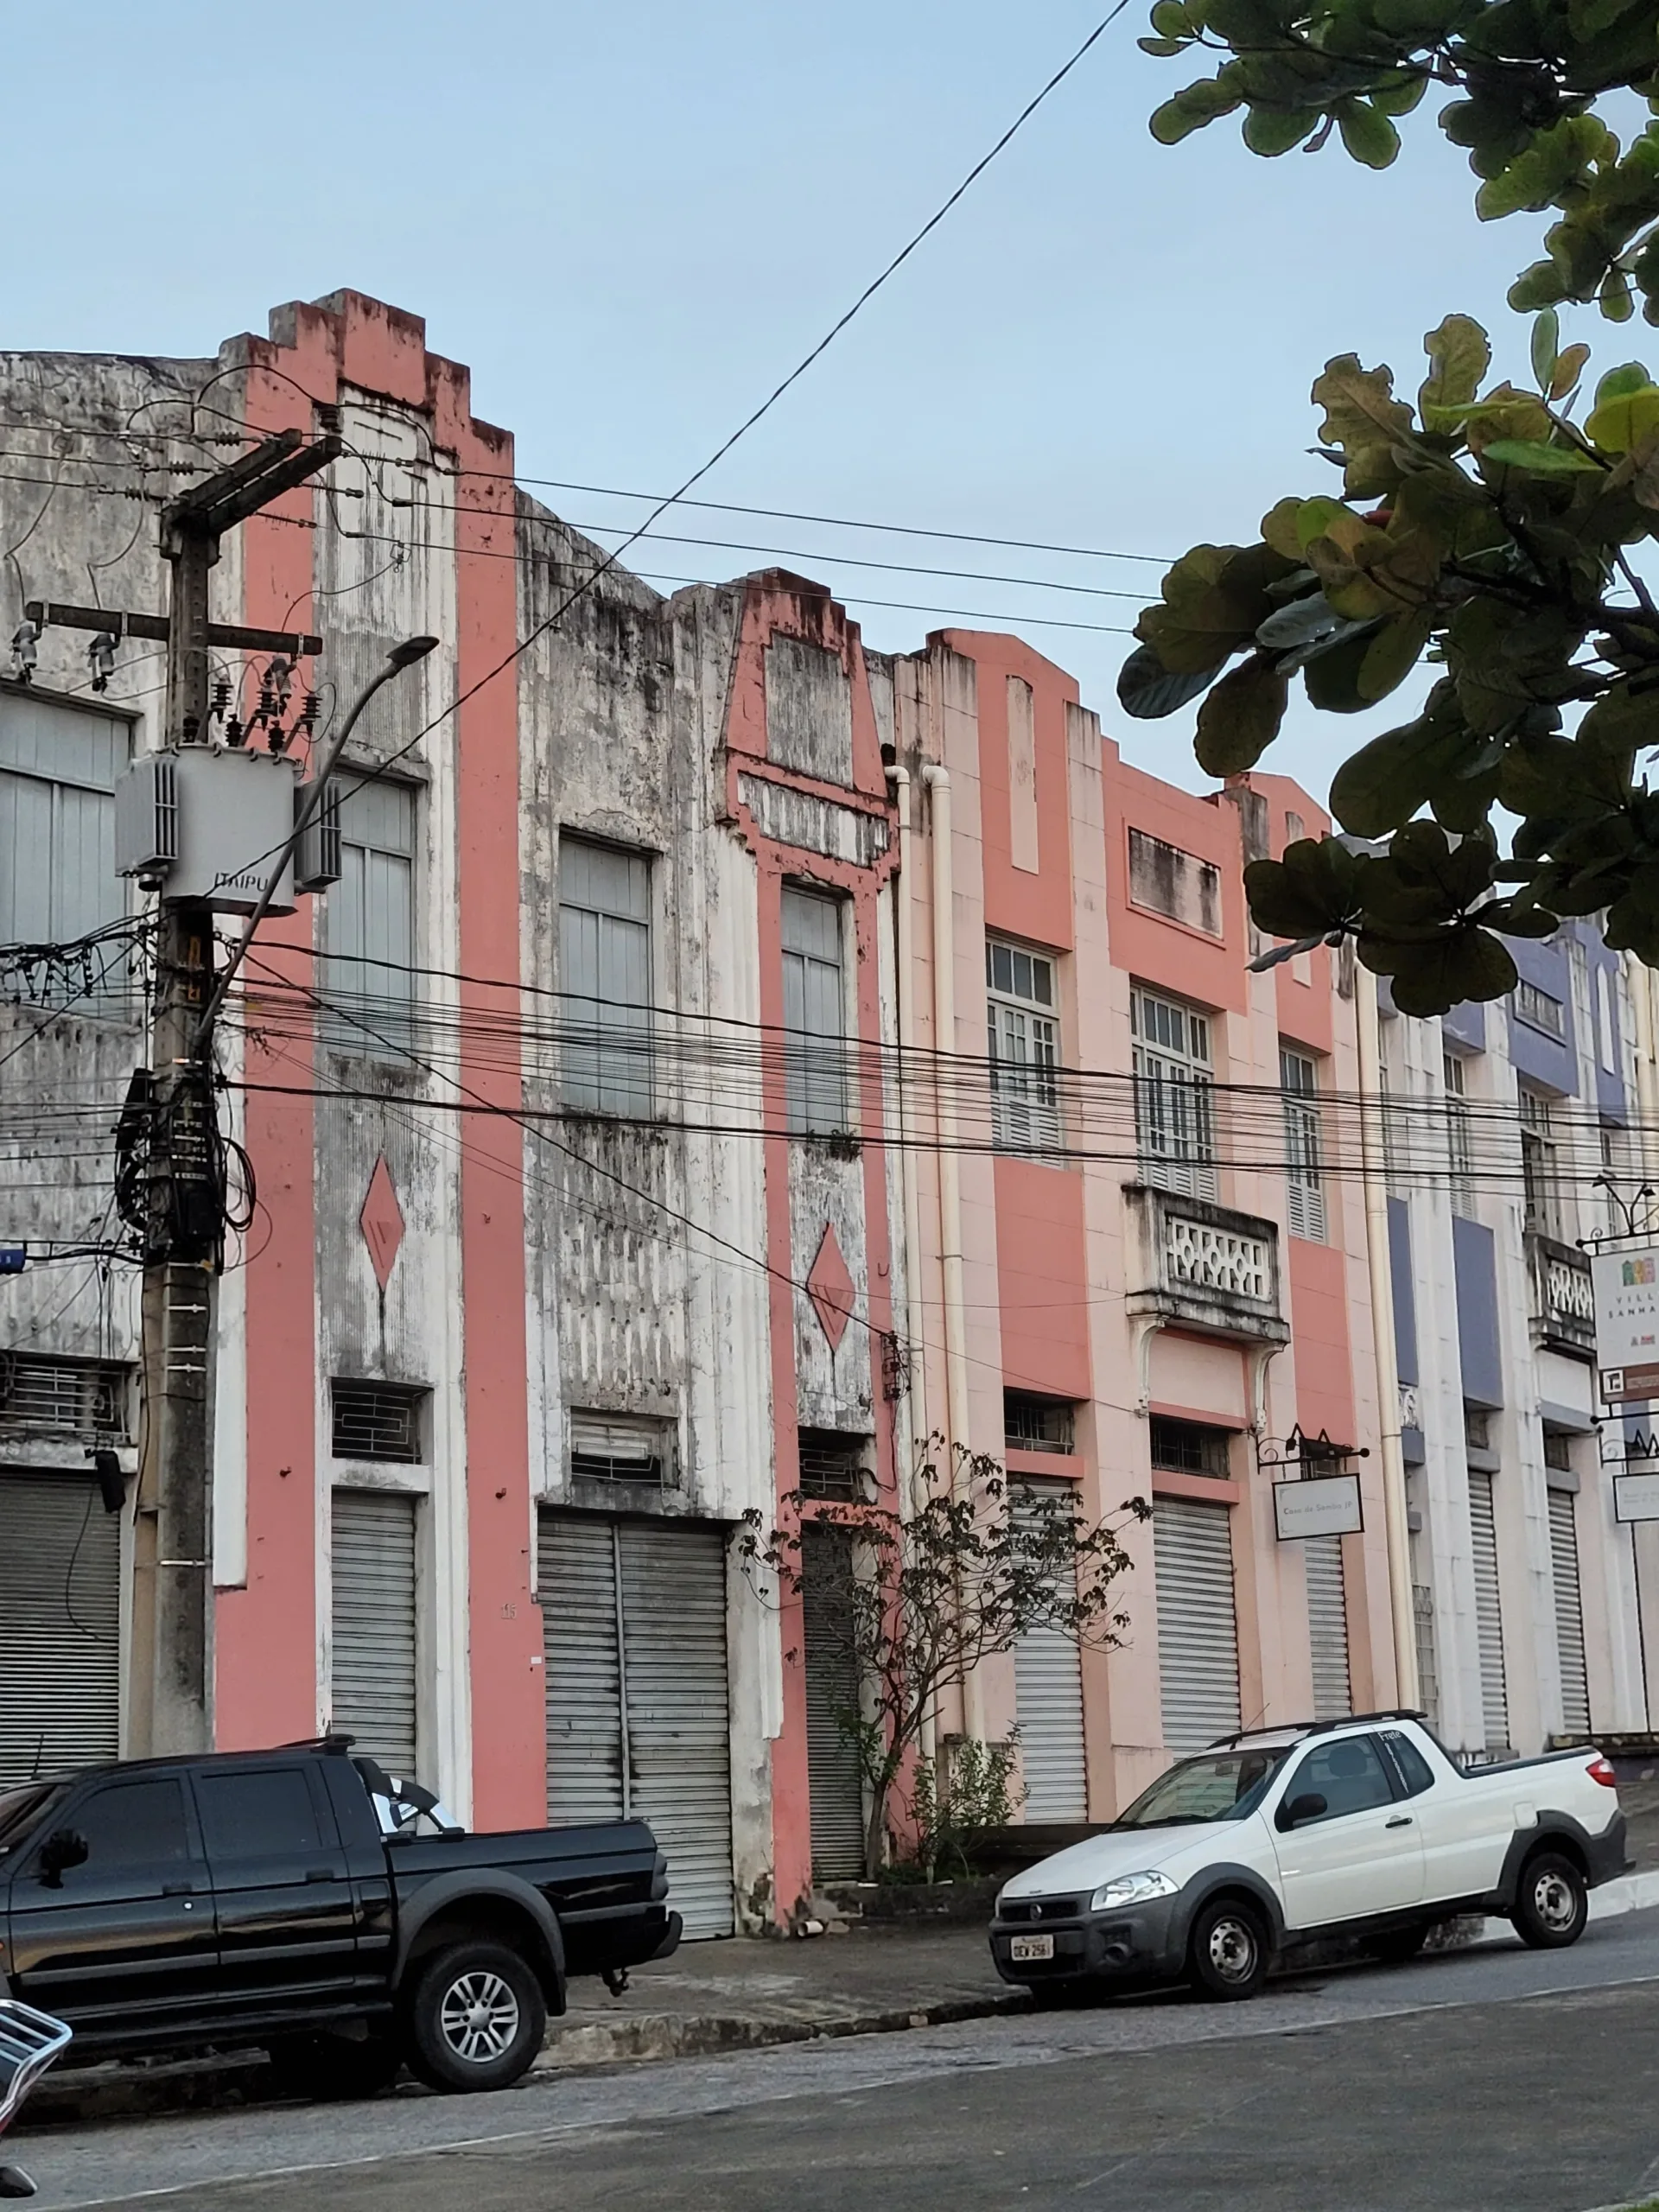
(1569, 1612)
(639, 1725)
(369, 926)
(1174, 1107)
(1023, 1038)
(1327, 1627)
(60, 1626)
(1489, 1617)
(815, 1022)
(1303, 1175)
(835, 1785)
(375, 1642)
(1048, 1701)
(1197, 1628)
(605, 979)
(58, 773)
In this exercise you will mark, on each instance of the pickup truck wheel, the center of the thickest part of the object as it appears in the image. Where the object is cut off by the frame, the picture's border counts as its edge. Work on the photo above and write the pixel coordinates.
(475, 2019)
(1552, 1903)
(1227, 1956)
(330, 2069)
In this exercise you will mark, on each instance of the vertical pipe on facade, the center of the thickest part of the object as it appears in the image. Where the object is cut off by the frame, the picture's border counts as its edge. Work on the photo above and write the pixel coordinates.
(1641, 980)
(957, 1425)
(1386, 1351)
(905, 992)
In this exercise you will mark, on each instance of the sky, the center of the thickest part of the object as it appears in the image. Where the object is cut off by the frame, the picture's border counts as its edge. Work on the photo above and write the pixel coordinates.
(632, 221)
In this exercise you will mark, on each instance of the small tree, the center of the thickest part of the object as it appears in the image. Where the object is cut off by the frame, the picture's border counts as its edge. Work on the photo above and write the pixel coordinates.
(913, 1604)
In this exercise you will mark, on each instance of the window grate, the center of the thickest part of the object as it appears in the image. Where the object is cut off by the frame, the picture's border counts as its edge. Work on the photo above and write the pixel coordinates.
(62, 1397)
(832, 1465)
(1034, 1424)
(1186, 1447)
(380, 1420)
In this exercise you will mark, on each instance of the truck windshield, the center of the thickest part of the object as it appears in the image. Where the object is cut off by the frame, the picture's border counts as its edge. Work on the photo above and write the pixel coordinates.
(19, 1807)
(1220, 1786)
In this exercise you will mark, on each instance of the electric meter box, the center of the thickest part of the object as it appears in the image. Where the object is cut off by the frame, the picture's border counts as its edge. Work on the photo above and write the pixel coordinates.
(207, 823)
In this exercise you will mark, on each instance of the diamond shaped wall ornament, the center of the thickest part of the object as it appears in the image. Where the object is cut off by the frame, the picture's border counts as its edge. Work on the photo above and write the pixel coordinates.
(382, 1223)
(831, 1289)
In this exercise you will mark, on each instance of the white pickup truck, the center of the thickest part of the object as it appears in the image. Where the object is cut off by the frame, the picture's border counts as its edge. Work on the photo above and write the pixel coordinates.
(1366, 1827)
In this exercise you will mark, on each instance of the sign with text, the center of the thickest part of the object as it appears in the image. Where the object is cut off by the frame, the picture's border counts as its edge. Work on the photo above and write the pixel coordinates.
(1636, 1497)
(1625, 1287)
(1326, 1505)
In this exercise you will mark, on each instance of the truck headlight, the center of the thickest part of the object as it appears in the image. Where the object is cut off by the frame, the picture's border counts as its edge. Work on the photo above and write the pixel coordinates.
(1131, 1889)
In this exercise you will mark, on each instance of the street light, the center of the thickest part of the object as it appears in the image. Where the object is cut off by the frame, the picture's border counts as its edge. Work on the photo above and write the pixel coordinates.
(400, 657)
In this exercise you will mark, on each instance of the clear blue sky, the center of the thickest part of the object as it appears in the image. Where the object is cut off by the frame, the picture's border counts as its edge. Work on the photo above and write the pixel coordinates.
(631, 220)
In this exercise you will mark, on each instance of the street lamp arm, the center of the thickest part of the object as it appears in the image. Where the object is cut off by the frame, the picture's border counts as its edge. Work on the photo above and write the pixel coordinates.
(400, 657)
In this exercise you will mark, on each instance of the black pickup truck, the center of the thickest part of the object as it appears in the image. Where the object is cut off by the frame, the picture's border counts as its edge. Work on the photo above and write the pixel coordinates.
(305, 1901)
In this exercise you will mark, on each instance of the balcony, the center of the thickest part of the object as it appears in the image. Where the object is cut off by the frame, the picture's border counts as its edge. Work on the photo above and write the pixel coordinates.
(1193, 1265)
(1563, 1311)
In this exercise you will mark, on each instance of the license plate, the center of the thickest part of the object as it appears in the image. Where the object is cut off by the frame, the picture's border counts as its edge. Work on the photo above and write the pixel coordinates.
(1024, 1948)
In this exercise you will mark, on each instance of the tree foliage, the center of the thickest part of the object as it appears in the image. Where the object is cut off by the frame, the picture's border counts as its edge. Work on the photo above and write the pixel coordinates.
(915, 1602)
(1488, 530)
(1523, 79)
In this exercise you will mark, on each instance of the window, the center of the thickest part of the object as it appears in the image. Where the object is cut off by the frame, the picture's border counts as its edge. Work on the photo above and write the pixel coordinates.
(263, 1815)
(378, 1420)
(1459, 1138)
(1558, 1450)
(605, 979)
(1023, 1034)
(1612, 1143)
(1186, 1447)
(1539, 1009)
(1606, 1053)
(815, 1026)
(1174, 1118)
(58, 773)
(1169, 881)
(131, 1824)
(832, 1464)
(1349, 1774)
(1476, 1428)
(618, 1448)
(1392, 1115)
(1540, 1183)
(1304, 1185)
(69, 1397)
(1034, 1424)
(369, 925)
(1415, 1771)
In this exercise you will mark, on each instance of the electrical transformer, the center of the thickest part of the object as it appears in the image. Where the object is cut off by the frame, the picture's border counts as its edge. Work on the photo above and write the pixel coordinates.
(206, 822)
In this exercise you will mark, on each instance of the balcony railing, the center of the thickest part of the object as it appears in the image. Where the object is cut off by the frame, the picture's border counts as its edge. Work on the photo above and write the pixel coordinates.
(1563, 1311)
(1205, 1267)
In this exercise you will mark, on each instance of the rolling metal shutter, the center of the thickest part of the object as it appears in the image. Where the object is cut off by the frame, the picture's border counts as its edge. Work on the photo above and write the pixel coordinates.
(1488, 1619)
(638, 1717)
(1197, 1630)
(1569, 1613)
(1048, 1704)
(1327, 1627)
(374, 1638)
(60, 1626)
(835, 1786)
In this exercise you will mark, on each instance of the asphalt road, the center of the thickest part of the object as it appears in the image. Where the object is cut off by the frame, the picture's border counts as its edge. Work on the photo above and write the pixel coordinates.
(1500, 2080)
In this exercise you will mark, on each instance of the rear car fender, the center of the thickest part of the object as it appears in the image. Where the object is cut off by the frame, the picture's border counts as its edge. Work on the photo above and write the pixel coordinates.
(500, 1905)
(1227, 1878)
(1600, 1856)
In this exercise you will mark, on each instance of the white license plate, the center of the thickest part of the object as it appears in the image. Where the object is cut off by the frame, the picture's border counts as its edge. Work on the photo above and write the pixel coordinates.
(1024, 1948)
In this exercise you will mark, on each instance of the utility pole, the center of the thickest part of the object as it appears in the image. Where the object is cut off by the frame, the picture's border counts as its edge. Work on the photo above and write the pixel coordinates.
(170, 1669)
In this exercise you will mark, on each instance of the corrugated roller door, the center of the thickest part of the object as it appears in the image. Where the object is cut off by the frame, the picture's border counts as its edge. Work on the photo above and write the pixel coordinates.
(835, 1785)
(1327, 1627)
(1569, 1612)
(678, 1709)
(60, 1626)
(1048, 1704)
(576, 1585)
(1489, 1617)
(375, 1699)
(1198, 1630)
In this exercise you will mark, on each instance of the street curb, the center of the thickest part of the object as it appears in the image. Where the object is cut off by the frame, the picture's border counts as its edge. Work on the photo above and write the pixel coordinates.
(667, 2034)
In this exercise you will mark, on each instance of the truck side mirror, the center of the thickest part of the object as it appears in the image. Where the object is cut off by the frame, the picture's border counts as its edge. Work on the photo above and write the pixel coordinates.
(60, 1850)
(1296, 1812)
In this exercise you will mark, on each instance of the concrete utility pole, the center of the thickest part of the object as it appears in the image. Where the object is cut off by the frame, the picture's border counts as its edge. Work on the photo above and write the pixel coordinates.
(171, 1673)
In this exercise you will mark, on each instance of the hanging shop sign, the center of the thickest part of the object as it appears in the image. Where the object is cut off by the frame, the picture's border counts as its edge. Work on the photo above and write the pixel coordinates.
(1636, 1497)
(1320, 1506)
(1625, 1289)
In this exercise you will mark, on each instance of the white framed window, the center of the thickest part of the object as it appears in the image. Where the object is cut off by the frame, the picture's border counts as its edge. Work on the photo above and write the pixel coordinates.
(58, 766)
(1298, 1078)
(1539, 1168)
(605, 979)
(1175, 1107)
(1540, 1010)
(1023, 1037)
(1459, 1138)
(369, 925)
(815, 1019)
